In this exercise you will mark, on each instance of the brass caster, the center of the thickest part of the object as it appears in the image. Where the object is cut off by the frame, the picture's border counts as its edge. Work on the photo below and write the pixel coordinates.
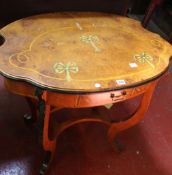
(45, 163)
(28, 119)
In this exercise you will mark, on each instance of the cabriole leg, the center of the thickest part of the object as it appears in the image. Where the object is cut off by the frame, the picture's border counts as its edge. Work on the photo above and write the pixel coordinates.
(43, 132)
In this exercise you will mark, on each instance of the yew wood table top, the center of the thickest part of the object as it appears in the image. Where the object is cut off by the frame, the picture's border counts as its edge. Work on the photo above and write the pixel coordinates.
(82, 52)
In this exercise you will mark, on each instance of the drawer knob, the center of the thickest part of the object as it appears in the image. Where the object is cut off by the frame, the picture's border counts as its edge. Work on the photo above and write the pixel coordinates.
(124, 93)
(112, 95)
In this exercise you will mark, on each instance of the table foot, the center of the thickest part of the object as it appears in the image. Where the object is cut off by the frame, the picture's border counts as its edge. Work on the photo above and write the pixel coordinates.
(31, 118)
(28, 119)
(118, 146)
(45, 163)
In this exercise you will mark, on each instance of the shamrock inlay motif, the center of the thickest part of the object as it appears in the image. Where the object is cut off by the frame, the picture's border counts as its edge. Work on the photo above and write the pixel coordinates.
(67, 68)
(91, 39)
(144, 58)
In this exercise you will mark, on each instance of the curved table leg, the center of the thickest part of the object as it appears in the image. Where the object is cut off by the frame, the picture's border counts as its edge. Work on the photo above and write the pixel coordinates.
(48, 145)
(115, 128)
(43, 121)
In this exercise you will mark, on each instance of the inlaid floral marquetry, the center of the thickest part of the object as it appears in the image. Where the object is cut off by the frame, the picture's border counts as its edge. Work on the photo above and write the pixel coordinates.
(66, 68)
(144, 58)
(92, 40)
(82, 52)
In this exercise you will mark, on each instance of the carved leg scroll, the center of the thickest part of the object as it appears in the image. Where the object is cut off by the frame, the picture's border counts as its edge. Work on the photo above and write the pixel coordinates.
(138, 115)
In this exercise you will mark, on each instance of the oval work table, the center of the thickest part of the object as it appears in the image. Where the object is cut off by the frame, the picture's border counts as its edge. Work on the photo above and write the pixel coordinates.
(80, 60)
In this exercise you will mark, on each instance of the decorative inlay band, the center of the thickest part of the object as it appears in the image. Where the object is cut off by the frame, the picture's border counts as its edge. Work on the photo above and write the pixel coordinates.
(91, 39)
(144, 58)
(67, 68)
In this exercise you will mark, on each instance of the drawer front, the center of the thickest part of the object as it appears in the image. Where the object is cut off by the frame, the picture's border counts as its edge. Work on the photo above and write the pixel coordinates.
(98, 99)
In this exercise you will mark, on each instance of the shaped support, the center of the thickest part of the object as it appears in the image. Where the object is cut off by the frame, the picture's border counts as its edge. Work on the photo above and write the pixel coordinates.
(115, 128)
(49, 145)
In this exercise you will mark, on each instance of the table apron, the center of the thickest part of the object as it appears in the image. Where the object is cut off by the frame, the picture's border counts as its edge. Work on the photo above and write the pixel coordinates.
(76, 100)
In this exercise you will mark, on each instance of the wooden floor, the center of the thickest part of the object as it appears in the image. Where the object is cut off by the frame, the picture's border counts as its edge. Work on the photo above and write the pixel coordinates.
(84, 149)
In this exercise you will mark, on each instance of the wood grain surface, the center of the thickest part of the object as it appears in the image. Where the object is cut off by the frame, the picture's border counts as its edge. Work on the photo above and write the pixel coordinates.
(82, 52)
